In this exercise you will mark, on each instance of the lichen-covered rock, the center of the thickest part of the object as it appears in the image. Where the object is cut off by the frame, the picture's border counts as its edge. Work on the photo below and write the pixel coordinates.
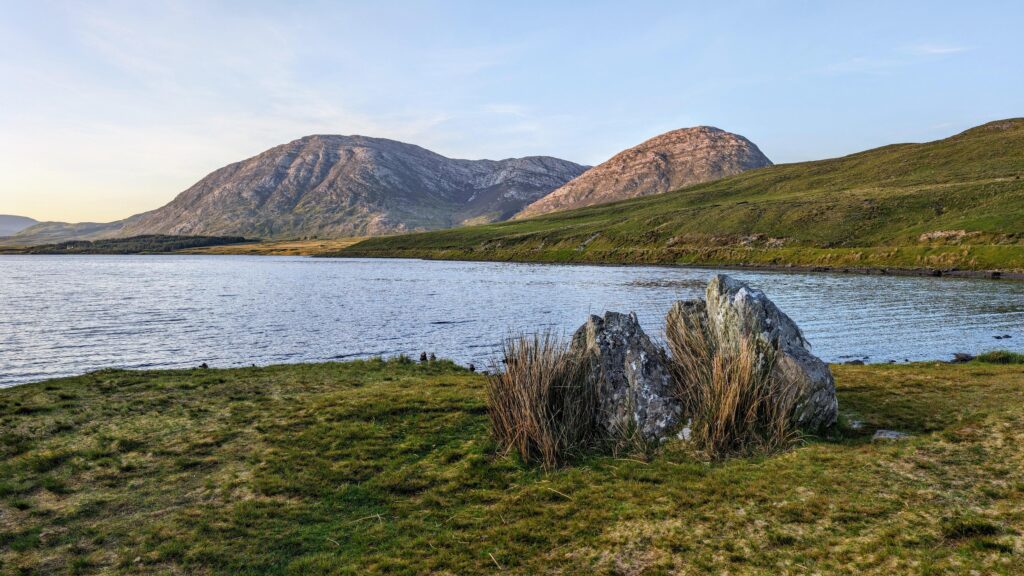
(735, 310)
(634, 386)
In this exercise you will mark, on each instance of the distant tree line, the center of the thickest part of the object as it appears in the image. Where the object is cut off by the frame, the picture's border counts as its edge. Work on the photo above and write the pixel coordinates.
(150, 243)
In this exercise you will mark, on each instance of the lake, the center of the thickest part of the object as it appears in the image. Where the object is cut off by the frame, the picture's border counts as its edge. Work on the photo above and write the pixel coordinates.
(67, 315)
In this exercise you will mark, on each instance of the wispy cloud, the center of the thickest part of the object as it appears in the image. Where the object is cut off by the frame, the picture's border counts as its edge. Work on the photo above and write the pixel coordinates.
(895, 58)
(936, 49)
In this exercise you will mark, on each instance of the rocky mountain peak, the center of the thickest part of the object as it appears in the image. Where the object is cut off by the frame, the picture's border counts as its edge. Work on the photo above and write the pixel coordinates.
(666, 162)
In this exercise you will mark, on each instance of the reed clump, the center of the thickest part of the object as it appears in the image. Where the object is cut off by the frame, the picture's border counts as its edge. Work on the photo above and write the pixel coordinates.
(736, 402)
(542, 403)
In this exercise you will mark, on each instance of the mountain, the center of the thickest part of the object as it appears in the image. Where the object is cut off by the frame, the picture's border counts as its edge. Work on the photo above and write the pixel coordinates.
(353, 185)
(952, 203)
(672, 160)
(335, 186)
(13, 224)
(55, 232)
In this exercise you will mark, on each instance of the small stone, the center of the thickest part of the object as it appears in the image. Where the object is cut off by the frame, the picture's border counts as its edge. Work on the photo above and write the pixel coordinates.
(855, 362)
(962, 357)
(687, 431)
(886, 435)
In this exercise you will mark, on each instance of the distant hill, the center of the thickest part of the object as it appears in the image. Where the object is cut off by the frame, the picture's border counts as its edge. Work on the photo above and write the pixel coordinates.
(667, 162)
(13, 224)
(54, 232)
(336, 186)
(952, 203)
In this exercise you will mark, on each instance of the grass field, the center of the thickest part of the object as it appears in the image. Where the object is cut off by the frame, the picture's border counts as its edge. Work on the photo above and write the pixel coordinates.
(386, 467)
(954, 203)
(278, 248)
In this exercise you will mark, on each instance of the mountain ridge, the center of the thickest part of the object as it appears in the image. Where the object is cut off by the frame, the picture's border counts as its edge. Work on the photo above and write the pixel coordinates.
(329, 185)
(335, 185)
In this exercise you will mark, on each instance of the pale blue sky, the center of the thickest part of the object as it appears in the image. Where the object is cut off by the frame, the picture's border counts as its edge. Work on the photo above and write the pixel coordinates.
(112, 108)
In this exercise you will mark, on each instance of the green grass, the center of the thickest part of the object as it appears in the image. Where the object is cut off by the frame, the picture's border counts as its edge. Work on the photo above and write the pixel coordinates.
(1001, 357)
(385, 467)
(866, 210)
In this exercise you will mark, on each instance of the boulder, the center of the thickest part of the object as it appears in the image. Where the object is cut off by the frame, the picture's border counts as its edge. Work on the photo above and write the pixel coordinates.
(632, 377)
(735, 311)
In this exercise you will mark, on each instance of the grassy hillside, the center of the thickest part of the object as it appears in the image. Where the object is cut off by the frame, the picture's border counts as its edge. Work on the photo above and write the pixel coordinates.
(953, 203)
(386, 467)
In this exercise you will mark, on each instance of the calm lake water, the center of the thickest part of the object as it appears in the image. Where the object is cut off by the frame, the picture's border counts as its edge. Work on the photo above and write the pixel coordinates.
(67, 315)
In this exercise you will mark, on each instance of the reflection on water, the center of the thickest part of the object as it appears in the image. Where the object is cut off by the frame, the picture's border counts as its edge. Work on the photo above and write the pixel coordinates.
(66, 315)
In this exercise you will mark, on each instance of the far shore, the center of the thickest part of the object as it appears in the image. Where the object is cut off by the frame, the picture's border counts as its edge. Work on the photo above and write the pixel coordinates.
(866, 271)
(346, 248)
(338, 248)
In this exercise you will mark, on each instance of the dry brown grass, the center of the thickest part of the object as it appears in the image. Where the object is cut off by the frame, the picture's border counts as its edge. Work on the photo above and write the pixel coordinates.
(736, 402)
(542, 405)
(279, 247)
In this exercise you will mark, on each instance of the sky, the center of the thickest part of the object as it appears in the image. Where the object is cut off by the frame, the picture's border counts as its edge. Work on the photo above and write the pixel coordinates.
(110, 108)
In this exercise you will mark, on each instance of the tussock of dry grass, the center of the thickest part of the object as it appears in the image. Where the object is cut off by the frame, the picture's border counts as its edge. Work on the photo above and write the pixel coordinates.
(541, 405)
(736, 402)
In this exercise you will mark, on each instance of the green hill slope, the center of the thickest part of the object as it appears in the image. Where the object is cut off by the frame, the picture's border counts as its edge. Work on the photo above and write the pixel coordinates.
(953, 203)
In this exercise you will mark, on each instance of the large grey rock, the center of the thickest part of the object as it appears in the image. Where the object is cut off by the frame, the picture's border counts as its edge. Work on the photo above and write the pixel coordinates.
(735, 310)
(634, 385)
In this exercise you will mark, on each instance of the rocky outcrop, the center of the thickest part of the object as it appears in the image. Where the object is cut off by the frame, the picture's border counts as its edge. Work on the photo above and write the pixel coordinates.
(635, 387)
(735, 310)
(632, 378)
(667, 162)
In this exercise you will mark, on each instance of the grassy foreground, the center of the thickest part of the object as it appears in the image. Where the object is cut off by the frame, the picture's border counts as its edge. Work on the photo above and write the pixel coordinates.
(384, 467)
(956, 203)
